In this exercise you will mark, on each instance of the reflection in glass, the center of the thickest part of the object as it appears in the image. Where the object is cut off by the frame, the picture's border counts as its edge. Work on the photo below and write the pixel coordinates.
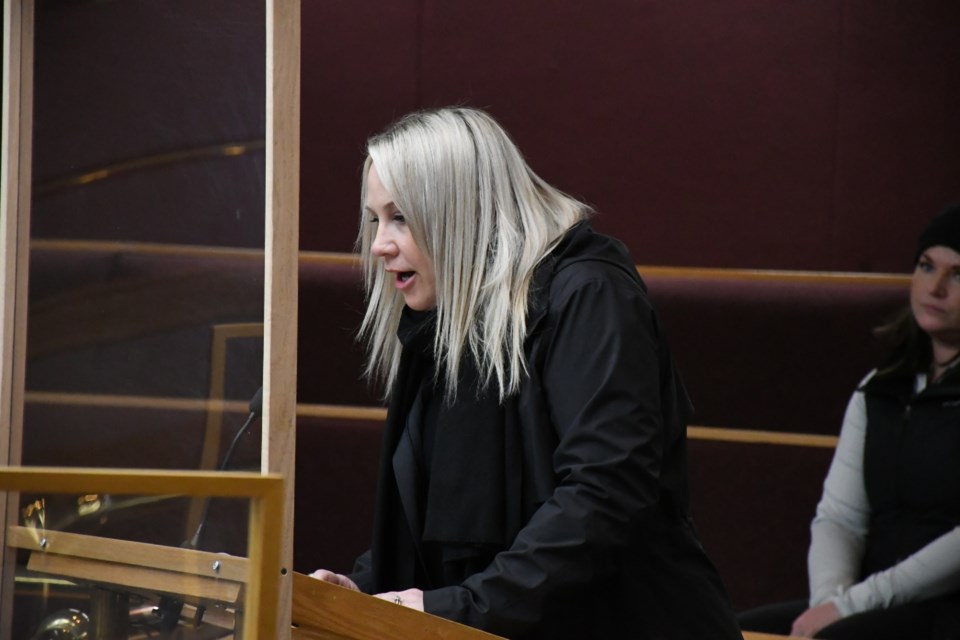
(147, 232)
(149, 121)
(69, 624)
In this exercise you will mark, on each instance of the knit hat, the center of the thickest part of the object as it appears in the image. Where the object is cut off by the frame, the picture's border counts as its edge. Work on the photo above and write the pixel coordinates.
(943, 231)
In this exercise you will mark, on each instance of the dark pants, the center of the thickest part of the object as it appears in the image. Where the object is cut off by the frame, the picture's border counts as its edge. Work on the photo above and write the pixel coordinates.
(937, 619)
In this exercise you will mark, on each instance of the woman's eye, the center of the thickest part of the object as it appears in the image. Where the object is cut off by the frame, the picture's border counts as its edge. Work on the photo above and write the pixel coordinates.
(398, 217)
(924, 266)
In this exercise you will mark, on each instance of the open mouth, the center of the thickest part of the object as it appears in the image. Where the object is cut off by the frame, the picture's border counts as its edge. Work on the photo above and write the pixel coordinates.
(404, 276)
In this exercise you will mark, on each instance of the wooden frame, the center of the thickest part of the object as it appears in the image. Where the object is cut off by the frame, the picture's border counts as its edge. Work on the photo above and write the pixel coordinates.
(258, 572)
(15, 160)
(280, 255)
(280, 278)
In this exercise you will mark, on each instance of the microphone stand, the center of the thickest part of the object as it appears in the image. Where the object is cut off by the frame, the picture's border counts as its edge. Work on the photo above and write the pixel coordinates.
(256, 407)
(168, 609)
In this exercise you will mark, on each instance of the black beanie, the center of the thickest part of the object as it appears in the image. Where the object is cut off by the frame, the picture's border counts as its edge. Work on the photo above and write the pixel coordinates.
(943, 231)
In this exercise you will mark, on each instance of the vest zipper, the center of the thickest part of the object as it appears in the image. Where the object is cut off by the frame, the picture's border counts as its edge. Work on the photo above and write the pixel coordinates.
(905, 424)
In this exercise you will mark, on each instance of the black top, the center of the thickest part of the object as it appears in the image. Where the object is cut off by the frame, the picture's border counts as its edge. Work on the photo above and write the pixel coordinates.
(911, 465)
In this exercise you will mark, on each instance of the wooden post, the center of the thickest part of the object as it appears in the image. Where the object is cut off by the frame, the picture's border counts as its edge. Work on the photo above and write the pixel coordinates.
(15, 164)
(280, 278)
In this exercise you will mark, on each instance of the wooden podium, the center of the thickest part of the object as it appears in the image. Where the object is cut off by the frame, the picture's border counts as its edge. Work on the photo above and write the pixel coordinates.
(324, 611)
(321, 611)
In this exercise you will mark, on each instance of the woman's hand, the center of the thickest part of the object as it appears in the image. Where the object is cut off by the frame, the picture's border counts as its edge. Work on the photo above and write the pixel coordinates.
(335, 578)
(815, 618)
(412, 598)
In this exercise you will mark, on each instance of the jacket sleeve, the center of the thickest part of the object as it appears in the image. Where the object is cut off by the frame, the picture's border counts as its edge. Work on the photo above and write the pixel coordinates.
(839, 529)
(601, 382)
(362, 574)
(839, 534)
(932, 571)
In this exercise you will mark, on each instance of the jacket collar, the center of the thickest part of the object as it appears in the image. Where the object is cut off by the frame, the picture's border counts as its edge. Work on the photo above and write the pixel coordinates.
(579, 243)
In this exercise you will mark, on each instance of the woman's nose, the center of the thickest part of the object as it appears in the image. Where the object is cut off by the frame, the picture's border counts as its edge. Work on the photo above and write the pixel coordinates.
(382, 245)
(938, 286)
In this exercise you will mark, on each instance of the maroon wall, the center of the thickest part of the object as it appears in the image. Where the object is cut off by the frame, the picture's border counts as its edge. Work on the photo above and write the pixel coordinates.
(801, 134)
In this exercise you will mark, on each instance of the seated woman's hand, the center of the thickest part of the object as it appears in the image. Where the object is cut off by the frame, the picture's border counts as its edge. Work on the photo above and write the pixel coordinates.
(335, 578)
(815, 618)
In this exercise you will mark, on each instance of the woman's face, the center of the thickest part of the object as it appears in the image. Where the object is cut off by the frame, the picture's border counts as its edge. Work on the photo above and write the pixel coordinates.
(935, 294)
(410, 271)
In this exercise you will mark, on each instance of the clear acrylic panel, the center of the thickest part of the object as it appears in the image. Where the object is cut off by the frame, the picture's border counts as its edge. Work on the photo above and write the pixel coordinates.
(146, 280)
(145, 313)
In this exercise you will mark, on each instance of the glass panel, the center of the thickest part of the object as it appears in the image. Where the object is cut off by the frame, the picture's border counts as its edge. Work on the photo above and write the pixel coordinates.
(146, 290)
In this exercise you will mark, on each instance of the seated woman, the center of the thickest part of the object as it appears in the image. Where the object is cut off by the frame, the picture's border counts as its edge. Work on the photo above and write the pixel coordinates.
(884, 558)
(533, 470)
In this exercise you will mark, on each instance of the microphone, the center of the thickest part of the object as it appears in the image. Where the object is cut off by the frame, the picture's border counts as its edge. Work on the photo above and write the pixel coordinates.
(168, 610)
(256, 408)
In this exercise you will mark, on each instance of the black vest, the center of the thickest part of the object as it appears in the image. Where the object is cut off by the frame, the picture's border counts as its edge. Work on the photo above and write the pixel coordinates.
(911, 465)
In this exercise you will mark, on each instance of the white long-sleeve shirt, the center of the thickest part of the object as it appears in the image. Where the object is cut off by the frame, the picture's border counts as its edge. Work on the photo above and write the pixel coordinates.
(839, 530)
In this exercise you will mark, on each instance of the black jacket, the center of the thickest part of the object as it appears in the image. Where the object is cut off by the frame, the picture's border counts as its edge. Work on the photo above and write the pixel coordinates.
(560, 513)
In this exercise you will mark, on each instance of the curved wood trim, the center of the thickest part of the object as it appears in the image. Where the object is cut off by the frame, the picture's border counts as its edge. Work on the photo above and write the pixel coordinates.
(374, 414)
(344, 412)
(694, 432)
(754, 436)
(330, 258)
(694, 273)
(135, 402)
(145, 248)
(339, 258)
(142, 163)
(776, 275)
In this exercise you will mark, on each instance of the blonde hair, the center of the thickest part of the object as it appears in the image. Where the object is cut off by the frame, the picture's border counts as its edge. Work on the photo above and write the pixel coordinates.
(484, 219)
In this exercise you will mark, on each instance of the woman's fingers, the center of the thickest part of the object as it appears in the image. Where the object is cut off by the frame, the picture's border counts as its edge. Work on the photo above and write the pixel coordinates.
(335, 578)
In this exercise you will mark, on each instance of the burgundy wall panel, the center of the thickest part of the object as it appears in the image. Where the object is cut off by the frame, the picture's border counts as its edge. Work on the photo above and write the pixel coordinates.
(740, 134)
(359, 66)
(898, 157)
(669, 118)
